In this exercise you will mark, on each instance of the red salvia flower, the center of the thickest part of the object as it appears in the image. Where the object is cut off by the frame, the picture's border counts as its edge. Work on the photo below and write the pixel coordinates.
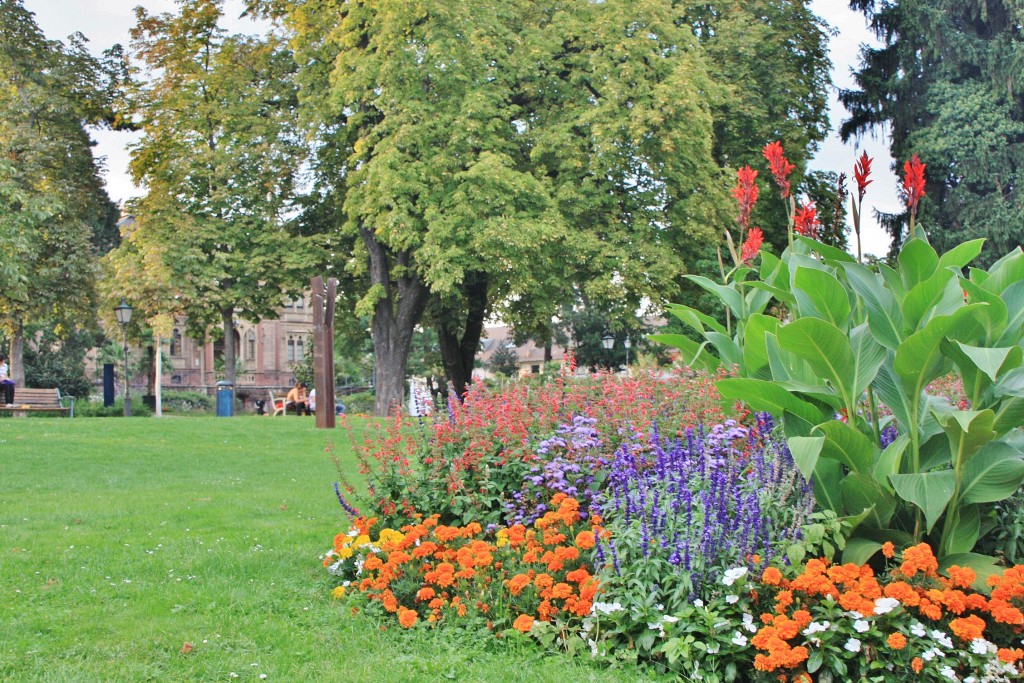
(745, 193)
(861, 171)
(913, 182)
(805, 221)
(752, 245)
(780, 166)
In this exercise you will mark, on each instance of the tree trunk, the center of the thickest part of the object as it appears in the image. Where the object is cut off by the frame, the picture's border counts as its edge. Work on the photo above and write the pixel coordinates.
(458, 354)
(228, 315)
(17, 366)
(396, 313)
(151, 365)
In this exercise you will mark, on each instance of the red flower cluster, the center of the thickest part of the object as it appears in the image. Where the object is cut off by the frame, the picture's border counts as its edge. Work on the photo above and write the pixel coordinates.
(780, 166)
(752, 245)
(861, 171)
(913, 182)
(745, 193)
(805, 221)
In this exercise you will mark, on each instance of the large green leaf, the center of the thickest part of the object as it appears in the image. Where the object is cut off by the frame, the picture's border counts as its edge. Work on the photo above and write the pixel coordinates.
(805, 451)
(829, 252)
(988, 360)
(967, 431)
(694, 318)
(891, 458)
(1013, 296)
(884, 315)
(868, 357)
(827, 475)
(1005, 272)
(939, 295)
(893, 280)
(859, 550)
(930, 491)
(918, 261)
(993, 475)
(820, 294)
(729, 295)
(728, 351)
(983, 565)
(694, 355)
(826, 349)
(847, 445)
(1009, 391)
(786, 366)
(919, 358)
(767, 396)
(861, 492)
(964, 536)
(889, 388)
(962, 254)
(995, 317)
(755, 349)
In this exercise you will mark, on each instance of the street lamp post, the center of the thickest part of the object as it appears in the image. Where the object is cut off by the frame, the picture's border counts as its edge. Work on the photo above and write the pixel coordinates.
(124, 316)
(627, 343)
(608, 341)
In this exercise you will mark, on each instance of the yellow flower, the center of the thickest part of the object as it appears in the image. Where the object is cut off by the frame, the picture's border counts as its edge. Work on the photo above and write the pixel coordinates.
(338, 592)
(390, 536)
(362, 540)
(345, 552)
(502, 540)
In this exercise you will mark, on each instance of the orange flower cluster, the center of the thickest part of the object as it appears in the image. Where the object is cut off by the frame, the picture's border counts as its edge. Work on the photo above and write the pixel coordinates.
(431, 571)
(914, 583)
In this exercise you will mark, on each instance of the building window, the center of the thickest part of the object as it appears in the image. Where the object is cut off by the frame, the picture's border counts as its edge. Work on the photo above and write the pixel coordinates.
(300, 350)
(250, 345)
(300, 303)
(176, 342)
(535, 369)
(291, 349)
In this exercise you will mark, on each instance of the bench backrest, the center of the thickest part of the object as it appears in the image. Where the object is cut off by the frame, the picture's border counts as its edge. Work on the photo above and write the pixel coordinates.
(49, 398)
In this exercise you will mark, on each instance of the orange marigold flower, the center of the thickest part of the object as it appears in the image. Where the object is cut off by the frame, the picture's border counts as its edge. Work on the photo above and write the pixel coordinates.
(802, 618)
(561, 591)
(425, 593)
(961, 577)
(517, 583)
(783, 600)
(461, 610)
(523, 623)
(579, 576)
(585, 540)
(436, 603)
(930, 610)
(372, 562)
(888, 549)
(903, 592)
(897, 641)
(1005, 613)
(772, 576)
(543, 581)
(968, 628)
(1009, 656)
(919, 558)
(389, 601)
(407, 617)
(917, 664)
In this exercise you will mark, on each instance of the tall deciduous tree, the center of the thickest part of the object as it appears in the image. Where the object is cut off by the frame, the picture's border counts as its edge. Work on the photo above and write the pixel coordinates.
(944, 82)
(487, 157)
(52, 204)
(219, 160)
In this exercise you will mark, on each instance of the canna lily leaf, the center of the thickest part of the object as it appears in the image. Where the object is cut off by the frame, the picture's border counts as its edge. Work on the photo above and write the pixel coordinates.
(930, 491)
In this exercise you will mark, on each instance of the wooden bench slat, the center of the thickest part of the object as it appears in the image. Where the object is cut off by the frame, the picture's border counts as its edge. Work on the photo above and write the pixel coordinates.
(41, 400)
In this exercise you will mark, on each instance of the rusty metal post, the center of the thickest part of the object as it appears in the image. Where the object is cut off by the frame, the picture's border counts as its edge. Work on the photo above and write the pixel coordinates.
(323, 349)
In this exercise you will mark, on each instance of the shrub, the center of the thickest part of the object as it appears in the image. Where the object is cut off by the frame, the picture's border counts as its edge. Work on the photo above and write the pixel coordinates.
(193, 402)
(93, 407)
(360, 403)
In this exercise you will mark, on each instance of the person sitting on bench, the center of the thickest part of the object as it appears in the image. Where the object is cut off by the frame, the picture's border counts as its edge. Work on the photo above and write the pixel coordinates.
(297, 399)
(6, 382)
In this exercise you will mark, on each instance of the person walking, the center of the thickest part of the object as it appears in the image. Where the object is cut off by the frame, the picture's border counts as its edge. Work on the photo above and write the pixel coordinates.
(6, 382)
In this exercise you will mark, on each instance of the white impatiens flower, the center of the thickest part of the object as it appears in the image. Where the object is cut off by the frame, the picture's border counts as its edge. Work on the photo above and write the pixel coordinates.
(606, 607)
(980, 646)
(739, 639)
(816, 627)
(669, 619)
(886, 605)
(852, 645)
(731, 576)
(732, 599)
(949, 673)
(861, 626)
(917, 628)
(698, 603)
(748, 623)
(713, 648)
(942, 639)
(928, 655)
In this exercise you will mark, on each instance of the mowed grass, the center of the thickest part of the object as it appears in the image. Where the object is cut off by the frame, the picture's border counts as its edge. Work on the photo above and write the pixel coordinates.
(122, 540)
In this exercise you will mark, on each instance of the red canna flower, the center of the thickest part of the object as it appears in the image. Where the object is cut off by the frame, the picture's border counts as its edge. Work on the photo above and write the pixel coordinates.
(861, 171)
(752, 245)
(806, 222)
(780, 166)
(913, 182)
(745, 193)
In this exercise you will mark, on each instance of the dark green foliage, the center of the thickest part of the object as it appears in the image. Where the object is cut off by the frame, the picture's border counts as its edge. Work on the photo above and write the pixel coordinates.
(95, 408)
(944, 83)
(504, 361)
(190, 402)
(51, 361)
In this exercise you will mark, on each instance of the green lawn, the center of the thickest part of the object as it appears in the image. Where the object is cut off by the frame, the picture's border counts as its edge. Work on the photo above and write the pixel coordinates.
(121, 540)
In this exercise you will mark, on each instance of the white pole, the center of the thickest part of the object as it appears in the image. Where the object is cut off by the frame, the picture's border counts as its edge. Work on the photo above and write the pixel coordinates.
(159, 374)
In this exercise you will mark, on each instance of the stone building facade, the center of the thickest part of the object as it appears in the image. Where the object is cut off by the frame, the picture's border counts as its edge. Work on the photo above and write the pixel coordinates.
(267, 354)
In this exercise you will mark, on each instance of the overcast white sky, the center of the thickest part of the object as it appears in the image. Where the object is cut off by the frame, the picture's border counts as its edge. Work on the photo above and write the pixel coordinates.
(105, 22)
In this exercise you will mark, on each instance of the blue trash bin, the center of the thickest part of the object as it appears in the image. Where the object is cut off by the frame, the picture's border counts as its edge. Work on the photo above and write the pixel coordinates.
(225, 399)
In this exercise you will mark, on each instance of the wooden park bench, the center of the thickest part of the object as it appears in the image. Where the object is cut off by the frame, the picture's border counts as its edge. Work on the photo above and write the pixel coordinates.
(37, 401)
(277, 404)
